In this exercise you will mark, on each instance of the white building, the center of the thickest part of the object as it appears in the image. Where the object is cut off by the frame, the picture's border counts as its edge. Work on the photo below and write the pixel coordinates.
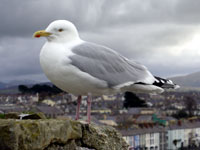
(145, 138)
(183, 134)
(175, 136)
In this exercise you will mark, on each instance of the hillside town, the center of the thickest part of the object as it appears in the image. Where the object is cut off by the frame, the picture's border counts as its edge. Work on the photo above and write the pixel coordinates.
(168, 121)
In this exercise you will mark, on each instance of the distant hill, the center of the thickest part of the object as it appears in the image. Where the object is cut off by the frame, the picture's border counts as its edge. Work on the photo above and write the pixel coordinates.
(2, 85)
(19, 82)
(12, 86)
(191, 80)
(9, 90)
(187, 81)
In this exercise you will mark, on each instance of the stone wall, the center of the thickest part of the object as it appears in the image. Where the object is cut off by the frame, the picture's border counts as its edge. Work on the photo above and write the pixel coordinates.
(54, 134)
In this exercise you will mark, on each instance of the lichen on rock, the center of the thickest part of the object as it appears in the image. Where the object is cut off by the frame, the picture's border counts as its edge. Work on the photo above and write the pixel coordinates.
(102, 137)
(55, 134)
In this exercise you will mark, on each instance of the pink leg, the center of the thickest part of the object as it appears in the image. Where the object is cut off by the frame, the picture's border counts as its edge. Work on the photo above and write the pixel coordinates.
(89, 98)
(78, 106)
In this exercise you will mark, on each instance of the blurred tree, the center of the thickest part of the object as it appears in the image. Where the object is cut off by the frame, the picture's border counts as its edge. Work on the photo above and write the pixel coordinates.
(190, 105)
(56, 90)
(180, 114)
(43, 90)
(132, 100)
(38, 88)
(23, 89)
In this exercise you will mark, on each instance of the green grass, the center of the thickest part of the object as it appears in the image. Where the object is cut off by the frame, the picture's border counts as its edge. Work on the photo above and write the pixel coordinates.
(2, 116)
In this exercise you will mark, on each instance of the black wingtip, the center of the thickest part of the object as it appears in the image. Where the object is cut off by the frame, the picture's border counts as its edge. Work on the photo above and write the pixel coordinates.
(165, 83)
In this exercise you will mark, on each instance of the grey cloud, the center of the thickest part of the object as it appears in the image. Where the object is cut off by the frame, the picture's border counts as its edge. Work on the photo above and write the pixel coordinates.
(23, 18)
(145, 31)
(152, 45)
(19, 57)
(136, 41)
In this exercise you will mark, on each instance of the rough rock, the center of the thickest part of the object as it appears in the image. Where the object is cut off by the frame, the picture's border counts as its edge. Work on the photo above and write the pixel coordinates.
(55, 134)
(102, 138)
(12, 115)
(37, 115)
(16, 115)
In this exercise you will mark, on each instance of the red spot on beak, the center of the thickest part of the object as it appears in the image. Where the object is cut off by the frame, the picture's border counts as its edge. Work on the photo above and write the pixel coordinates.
(37, 36)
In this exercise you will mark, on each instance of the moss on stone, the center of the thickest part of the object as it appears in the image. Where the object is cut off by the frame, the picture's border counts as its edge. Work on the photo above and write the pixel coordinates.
(45, 134)
(12, 115)
(2, 116)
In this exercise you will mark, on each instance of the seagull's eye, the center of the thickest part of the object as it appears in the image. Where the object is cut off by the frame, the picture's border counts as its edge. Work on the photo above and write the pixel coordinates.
(60, 30)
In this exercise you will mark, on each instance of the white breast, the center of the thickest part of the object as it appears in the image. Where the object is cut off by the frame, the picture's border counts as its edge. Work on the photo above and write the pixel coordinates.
(56, 65)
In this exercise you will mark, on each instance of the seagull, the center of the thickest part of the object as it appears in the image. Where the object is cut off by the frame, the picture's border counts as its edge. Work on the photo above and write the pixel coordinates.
(88, 69)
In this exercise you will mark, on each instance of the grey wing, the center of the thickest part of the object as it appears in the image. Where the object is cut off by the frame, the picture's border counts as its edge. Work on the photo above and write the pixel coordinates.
(105, 64)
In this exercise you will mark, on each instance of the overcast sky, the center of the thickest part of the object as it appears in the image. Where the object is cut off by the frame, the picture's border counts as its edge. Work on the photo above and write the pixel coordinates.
(163, 35)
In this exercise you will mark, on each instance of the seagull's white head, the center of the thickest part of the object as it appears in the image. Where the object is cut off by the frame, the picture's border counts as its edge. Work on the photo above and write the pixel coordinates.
(59, 31)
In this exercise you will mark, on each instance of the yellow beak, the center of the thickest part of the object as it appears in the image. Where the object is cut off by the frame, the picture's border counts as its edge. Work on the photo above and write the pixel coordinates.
(40, 33)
